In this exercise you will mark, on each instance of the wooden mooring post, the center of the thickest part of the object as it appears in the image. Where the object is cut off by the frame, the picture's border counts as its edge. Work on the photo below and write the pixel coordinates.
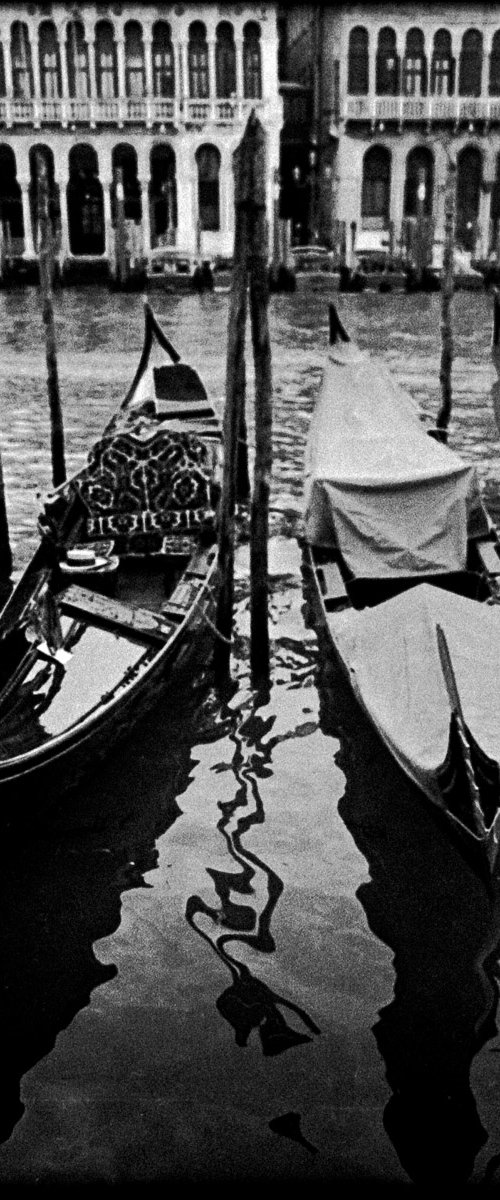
(447, 289)
(249, 274)
(46, 268)
(495, 339)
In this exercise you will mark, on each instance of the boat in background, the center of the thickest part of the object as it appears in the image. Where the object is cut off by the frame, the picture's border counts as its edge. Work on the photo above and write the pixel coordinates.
(404, 566)
(121, 591)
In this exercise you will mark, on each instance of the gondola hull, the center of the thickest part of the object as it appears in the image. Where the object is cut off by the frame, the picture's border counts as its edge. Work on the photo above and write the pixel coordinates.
(119, 601)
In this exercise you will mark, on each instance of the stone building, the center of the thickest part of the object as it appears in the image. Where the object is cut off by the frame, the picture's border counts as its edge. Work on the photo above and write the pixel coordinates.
(151, 97)
(393, 89)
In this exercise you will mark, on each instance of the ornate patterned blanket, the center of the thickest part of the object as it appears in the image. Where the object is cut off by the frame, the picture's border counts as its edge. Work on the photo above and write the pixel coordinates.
(148, 480)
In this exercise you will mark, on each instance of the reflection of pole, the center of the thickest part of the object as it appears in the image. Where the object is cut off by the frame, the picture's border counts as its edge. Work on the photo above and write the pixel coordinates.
(46, 265)
(120, 227)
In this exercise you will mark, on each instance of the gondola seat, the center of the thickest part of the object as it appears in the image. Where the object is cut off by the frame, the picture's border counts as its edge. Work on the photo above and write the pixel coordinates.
(148, 488)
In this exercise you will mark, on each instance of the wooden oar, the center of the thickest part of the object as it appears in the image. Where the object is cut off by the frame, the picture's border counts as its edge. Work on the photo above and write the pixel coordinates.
(457, 712)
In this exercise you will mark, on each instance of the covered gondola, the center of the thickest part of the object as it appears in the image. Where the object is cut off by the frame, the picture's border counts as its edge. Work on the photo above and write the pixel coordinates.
(404, 564)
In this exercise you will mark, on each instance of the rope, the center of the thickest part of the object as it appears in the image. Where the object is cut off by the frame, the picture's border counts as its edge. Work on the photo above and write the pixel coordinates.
(210, 623)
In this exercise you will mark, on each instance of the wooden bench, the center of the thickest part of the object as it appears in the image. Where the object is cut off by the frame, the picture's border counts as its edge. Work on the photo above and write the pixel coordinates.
(332, 585)
(115, 614)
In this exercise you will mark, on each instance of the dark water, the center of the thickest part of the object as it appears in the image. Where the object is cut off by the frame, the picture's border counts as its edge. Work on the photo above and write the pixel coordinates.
(246, 950)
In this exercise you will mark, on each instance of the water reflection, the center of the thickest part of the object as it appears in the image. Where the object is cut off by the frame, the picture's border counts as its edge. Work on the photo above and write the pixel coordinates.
(248, 1004)
(62, 883)
(427, 904)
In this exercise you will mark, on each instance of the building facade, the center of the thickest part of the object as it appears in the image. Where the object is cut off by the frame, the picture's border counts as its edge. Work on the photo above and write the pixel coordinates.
(150, 98)
(395, 89)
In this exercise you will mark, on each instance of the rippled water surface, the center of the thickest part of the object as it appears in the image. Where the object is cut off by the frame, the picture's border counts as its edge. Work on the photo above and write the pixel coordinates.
(245, 950)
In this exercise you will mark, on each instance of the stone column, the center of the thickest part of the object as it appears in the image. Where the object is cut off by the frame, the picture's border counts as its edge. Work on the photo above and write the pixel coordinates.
(148, 64)
(29, 248)
(7, 61)
(239, 69)
(120, 54)
(64, 80)
(184, 73)
(35, 62)
(92, 76)
(146, 223)
(108, 234)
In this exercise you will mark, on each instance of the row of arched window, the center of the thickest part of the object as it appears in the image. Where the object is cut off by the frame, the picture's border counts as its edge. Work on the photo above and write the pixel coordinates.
(418, 72)
(85, 196)
(376, 185)
(101, 78)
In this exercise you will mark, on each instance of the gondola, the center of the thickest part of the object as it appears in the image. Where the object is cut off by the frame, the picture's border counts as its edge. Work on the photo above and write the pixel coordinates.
(402, 563)
(119, 596)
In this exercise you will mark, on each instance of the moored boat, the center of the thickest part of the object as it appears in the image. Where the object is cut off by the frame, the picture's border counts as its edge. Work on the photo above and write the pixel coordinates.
(404, 563)
(120, 594)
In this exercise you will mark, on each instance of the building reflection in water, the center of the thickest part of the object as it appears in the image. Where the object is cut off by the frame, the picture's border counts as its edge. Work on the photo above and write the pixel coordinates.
(248, 896)
(62, 883)
(426, 902)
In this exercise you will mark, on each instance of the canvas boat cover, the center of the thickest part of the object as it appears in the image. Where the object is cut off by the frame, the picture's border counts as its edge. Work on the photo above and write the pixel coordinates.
(391, 654)
(392, 499)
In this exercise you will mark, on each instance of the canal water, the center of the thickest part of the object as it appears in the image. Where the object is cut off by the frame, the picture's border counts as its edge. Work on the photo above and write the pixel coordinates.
(245, 950)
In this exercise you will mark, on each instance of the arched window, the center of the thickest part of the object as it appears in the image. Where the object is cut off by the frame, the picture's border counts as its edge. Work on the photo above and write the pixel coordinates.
(419, 170)
(22, 73)
(46, 154)
(11, 207)
(105, 61)
(387, 73)
(252, 66)
(163, 60)
(77, 58)
(124, 160)
(357, 79)
(415, 65)
(376, 190)
(225, 61)
(163, 195)
(198, 61)
(134, 60)
(208, 162)
(50, 63)
(471, 64)
(442, 65)
(469, 178)
(85, 202)
(494, 81)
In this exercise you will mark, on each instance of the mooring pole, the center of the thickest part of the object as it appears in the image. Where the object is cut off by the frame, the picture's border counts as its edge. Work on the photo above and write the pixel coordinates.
(46, 268)
(259, 301)
(249, 269)
(5, 550)
(447, 287)
(121, 261)
(496, 317)
(233, 422)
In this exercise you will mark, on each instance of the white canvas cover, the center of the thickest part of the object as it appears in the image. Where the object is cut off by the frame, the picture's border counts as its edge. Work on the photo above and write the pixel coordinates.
(391, 654)
(394, 500)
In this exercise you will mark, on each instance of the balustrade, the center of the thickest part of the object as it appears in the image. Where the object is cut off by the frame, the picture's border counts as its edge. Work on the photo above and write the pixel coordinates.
(421, 108)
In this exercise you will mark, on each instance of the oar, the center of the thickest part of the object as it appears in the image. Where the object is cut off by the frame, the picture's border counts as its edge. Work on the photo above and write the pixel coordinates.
(457, 712)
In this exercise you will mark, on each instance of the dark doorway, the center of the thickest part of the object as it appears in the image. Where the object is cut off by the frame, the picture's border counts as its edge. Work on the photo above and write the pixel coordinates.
(469, 176)
(124, 158)
(85, 202)
(45, 153)
(11, 207)
(163, 196)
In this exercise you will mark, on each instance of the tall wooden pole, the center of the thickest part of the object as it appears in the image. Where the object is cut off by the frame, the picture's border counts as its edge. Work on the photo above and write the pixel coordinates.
(46, 267)
(447, 287)
(5, 550)
(233, 417)
(259, 301)
(249, 269)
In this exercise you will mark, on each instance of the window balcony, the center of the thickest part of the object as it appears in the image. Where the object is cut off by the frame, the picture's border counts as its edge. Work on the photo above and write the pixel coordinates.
(421, 108)
(129, 110)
